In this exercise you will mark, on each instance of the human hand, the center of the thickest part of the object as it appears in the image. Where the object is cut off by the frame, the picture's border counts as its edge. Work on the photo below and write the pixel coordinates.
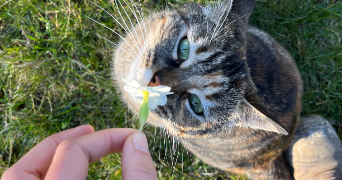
(66, 155)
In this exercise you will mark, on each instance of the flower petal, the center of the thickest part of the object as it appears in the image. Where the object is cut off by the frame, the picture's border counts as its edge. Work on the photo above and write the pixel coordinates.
(131, 82)
(167, 93)
(133, 91)
(162, 89)
(157, 95)
(157, 99)
(148, 88)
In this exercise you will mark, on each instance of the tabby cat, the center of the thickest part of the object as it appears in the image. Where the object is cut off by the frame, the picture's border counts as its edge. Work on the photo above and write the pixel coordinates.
(237, 92)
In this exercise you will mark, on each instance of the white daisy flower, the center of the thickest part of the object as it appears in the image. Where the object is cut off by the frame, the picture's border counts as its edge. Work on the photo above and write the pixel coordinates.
(152, 97)
(157, 94)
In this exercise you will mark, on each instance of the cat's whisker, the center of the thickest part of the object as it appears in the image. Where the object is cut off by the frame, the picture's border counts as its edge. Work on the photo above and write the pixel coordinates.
(230, 24)
(220, 28)
(112, 31)
(131, 36)
(225, 11)
(115, 45)
(141, 18)
(217, 22)
(108, 14)
(107, 27)
(206, 36)
(148, 43)
(131, 20)
(117, 21)
(139, 21)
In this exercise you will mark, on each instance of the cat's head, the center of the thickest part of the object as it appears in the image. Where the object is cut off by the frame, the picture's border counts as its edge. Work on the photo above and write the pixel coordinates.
(199, 52)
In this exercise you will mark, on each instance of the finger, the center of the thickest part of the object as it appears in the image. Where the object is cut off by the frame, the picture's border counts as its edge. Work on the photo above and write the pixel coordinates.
(35, 163)
(72, 157)
(136, 160)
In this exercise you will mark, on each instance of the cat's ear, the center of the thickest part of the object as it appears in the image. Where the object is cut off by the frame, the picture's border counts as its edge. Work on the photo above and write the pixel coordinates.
(240, 10)
(251, 117)
(237, 19)
(230, 11)
(231, 19)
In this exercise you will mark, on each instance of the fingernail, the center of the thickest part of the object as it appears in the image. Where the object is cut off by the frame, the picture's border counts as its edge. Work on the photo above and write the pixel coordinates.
(140, 142)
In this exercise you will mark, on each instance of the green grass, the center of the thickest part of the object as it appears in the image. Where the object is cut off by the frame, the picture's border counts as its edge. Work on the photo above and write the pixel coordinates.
(55, 73)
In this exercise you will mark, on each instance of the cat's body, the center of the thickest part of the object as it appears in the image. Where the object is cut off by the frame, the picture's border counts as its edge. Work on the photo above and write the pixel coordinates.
(248, 85)
(246, 151)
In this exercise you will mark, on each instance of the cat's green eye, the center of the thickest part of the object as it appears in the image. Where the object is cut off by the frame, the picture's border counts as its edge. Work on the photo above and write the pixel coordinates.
(183, 49)
(195, 104)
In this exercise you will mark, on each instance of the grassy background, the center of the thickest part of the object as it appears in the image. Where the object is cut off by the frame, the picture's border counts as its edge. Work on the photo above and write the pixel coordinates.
(54, 73)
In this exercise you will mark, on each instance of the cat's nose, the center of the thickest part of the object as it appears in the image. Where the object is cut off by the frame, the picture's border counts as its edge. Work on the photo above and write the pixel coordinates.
(156, 81)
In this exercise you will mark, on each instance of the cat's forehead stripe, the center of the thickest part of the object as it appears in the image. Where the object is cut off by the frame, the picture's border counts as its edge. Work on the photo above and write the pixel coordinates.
(205, 80)
(202, 49)
(159, 29)
(209, 84)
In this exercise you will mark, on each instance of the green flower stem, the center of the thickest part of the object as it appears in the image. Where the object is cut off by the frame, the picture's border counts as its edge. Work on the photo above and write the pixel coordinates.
(144, 109)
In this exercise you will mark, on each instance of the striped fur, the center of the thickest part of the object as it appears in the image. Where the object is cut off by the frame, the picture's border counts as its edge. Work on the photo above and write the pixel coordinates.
(246, 81)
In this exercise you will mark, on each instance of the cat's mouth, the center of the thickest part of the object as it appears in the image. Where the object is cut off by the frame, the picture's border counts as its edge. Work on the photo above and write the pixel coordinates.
(156, 80)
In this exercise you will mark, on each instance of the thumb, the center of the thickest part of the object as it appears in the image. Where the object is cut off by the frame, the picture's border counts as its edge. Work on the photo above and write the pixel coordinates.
(136, 160)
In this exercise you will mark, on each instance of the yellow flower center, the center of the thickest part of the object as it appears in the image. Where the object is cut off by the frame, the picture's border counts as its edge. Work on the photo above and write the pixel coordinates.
(145, 95)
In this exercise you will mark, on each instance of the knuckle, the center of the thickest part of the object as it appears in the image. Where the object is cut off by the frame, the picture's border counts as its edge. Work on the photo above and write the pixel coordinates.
(55, 138)
(66, 145)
